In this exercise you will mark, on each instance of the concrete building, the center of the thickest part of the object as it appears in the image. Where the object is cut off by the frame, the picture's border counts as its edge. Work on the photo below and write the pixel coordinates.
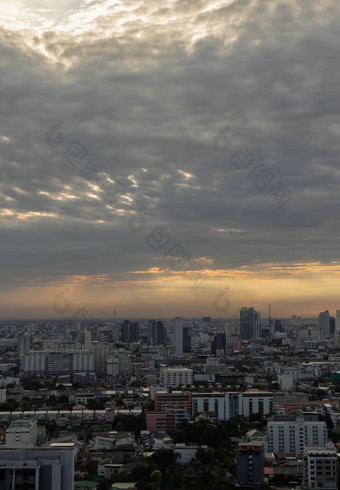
(256, 401)
(177, 376)
(124, 362)
(22, 433)
(292, 436)
(218, 345)
(165, 421)
(337, 322)
(178, 335)
(249, 464)
(2, 390)
(129, 331)
(157, 333)
(112, 366)
(57, 363)
(224, 406)
(324, 323)
(173, 401)
(50, 468)
(101, 352)
(24, 344)
(320, 468)
(83, 360)
(34, 362)
(287, 379)
(249, 323)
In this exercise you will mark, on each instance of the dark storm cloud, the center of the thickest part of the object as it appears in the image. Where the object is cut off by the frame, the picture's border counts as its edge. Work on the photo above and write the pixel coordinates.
(149, 101)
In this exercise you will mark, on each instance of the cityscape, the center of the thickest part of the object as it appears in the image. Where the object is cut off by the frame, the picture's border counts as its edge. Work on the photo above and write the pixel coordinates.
(244, 402)
(169, 245)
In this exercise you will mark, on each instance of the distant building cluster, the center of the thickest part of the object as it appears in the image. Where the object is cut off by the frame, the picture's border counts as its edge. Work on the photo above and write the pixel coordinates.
(81, 393)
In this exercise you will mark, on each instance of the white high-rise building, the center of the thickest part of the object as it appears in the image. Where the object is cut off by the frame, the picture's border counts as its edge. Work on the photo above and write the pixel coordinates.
(34, 363)
(291, 437)
(83, 360)
(320, 468)
(256, 401)
(178, 335)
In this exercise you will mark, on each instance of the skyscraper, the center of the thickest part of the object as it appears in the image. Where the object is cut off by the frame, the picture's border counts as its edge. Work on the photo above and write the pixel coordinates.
(218, 345)
(157, 333)
(337, 322)
(178, 336)
(324, 323)
(186, 340)
(129, 331)
(249, 323)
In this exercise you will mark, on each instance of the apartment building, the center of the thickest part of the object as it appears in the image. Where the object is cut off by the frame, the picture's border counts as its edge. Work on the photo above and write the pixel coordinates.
(292, 436)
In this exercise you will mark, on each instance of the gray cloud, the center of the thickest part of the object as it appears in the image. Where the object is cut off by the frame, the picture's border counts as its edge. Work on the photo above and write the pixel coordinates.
(147, 98)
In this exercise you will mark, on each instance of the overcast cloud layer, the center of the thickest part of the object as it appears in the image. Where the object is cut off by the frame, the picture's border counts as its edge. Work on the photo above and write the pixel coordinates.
(163, 94)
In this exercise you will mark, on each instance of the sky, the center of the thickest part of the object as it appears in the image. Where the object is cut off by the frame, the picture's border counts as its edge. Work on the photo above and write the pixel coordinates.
(172, 158)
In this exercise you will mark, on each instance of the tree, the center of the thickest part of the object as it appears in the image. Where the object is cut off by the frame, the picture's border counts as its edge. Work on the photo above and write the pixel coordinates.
(91, 467)
(204, 456)
(165, 458)
(156, 478)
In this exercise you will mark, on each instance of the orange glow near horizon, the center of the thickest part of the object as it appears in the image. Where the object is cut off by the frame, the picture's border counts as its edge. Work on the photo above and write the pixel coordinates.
(303, 289)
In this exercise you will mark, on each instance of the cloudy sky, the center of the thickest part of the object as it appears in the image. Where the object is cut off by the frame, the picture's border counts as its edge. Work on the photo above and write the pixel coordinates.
(169, 157)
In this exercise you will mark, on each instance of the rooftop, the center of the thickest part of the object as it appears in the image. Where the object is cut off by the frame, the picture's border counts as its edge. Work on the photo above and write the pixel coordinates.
(22, 425)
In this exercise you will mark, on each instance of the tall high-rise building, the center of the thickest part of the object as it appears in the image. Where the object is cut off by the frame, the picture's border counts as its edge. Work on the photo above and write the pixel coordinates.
(129, 331)
(101, 352)
(24, 344)
(257, 333)
(115, 333)
(186, 340)
(337, 322)
(218, 345)
(85, 338)
(249, 323)
(178, 335)
(324, 323)
(156, 333)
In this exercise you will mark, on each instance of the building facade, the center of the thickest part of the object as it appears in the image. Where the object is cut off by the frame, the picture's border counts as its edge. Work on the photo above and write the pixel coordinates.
(291, 437)
(177, 376)
(250, 464)
(22, 433)
(50, 468)
(320, 468)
